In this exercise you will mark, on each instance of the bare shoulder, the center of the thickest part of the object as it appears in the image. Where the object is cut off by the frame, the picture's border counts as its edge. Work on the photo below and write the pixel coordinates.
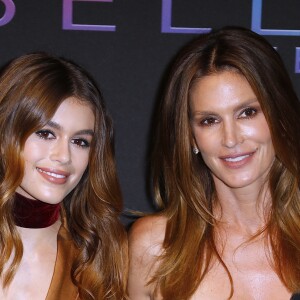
(145, 245)
(148, 233)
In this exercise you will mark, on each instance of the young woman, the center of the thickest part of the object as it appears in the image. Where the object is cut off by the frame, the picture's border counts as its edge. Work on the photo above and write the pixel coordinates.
(226, 174)
(59, 195)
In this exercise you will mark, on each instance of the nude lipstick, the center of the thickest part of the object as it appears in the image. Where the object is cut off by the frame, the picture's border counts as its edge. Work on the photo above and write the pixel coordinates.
(237, 161)
(53, 176)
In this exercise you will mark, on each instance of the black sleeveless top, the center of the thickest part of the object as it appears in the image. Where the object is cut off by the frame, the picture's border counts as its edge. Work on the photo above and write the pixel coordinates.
(296, 296)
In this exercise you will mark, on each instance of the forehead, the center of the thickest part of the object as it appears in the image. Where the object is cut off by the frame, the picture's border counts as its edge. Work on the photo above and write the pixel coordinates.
(74, 112)
(220, 90)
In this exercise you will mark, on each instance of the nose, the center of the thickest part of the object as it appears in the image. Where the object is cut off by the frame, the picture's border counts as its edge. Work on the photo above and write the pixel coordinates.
(232, 134)
(60, 152)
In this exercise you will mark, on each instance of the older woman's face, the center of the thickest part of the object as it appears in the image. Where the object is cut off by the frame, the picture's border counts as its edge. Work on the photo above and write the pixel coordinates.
(57, 155)
(230, 130)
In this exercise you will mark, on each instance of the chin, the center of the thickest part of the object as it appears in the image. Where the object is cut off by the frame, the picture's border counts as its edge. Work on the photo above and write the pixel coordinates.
(50, 198)
(236, 182)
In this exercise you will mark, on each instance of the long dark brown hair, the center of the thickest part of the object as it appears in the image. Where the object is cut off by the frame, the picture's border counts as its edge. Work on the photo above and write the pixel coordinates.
(31, 89)
(183, 184)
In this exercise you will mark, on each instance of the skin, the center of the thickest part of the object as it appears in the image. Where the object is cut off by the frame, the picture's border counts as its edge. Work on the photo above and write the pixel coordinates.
(233, 137)
(231, 132)
(61, 148)
(57, 155)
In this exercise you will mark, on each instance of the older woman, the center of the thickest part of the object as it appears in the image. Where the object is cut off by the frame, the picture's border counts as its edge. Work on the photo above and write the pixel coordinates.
(226, 173)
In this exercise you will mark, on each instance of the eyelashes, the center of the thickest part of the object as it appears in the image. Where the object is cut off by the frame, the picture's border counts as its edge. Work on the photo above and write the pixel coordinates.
(83, 143)
(249, 112)
(45, 134)
(210, 121)
(48, 135)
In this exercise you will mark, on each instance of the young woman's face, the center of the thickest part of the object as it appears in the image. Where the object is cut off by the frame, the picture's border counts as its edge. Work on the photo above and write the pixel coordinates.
(57, 155)
(230, 130)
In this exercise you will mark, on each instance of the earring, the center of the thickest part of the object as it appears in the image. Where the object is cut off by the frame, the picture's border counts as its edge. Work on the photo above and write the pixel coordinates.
(195, 150)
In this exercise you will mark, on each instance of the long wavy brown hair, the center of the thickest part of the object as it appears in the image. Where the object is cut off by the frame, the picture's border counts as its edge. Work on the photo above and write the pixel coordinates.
(183, 184)
(31, 89)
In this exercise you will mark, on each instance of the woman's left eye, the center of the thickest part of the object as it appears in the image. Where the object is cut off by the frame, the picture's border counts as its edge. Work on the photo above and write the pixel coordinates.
(249, 112)
(81, 143)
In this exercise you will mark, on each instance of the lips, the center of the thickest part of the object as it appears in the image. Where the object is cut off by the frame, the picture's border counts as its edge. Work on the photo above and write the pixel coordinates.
(237, 160)
(53, 176)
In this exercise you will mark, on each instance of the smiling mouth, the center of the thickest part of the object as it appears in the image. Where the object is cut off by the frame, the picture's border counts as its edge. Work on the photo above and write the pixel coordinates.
(236, 159)
(52, 174)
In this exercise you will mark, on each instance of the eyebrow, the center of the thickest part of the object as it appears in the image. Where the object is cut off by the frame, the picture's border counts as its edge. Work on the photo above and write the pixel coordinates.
(245, 104)
(83, 131)
(239, 107)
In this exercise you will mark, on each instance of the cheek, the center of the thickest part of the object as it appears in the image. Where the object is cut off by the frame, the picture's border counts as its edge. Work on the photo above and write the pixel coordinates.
(81, 161)
(259, 132)
(264, 134)
(33, 152)
(206, 143)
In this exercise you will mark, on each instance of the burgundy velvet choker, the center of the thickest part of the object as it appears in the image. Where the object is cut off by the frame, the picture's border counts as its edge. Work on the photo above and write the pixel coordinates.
(30, 213)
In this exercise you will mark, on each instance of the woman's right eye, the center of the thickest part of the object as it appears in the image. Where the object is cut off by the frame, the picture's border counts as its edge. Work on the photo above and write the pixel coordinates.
(209, 121)
(45, 134)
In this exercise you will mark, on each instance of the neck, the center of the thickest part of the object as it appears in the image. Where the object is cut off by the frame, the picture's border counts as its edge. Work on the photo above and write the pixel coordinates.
(33, 237)
(244, 208)
(29, 213)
